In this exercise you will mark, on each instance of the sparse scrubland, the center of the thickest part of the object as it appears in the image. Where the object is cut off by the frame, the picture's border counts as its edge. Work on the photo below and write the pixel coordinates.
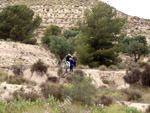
(52, 106)
(98, 44)
(78, 95)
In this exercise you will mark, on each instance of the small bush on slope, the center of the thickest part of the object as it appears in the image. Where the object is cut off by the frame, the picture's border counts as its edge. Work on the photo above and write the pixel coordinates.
(39, 66)
(106, 100)
(18, 80)
(132, 76)
(113, 67)
(79, 72)
(135, 75)
(132, 95)
(82, 91)
(52, 90)
(75, 78)
(30, 96)
(17, 69)
(103, 68)
(145, 77)
(2, 76)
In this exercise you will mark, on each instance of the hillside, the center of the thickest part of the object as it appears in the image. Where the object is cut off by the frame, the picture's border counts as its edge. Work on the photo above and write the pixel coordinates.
(136, 26)
(66, 13)
(12, 53)
(24, 88)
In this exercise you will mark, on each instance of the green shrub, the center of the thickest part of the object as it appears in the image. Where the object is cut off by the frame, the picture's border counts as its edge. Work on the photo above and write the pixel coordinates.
(16, 80)
(132, 76)
(105, 100)
(52, 79)
(70, 33)
(19, 80)
(60, 46)
(46, 40)
(79, 72)
(145, 77)
(113, 67)
(109, 82)
(75, 78)
(142, 64)
(52, 89)
(81, 91)
(30, 41)
(17, 69)
(103, 68)
(39, 66)
(132, 95)
(2, 76)
(121, 66)
(20, 95)
(135, 75)
(51, 31)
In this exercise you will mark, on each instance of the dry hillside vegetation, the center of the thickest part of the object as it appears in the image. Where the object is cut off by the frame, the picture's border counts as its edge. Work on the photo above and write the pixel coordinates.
(66, 13)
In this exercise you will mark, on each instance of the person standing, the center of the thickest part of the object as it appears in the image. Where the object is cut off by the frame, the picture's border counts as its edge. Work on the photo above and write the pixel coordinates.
(71, 64)
(67, 66)
(74, 60)
(68, 57)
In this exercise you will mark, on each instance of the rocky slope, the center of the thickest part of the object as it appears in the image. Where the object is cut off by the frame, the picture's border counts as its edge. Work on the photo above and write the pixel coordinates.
(12, 53)
(136, 26)
(66, 13)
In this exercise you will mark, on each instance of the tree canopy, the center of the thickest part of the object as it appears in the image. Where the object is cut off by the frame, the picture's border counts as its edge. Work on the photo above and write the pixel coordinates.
(51, 30)
(57, 43)
(135, 46)
(60, 46)
(18, 23)
(96, 44)
(70, 33)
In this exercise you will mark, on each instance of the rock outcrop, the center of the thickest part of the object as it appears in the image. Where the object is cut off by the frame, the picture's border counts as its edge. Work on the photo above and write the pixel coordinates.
(12, 53)
(7, 90)
(98, 76)
(140, 106)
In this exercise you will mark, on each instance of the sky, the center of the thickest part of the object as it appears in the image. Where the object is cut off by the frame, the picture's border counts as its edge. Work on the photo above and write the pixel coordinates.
(139, 8)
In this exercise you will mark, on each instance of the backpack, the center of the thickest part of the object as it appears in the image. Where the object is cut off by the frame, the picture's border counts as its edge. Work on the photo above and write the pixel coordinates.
(67, 63)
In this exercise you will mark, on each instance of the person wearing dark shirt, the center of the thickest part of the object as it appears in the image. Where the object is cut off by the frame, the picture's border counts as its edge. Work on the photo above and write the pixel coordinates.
(71, 64)
(68, 57)
(74, 61)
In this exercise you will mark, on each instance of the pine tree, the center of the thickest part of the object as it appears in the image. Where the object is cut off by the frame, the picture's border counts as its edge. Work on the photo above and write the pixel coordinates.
(96, 44)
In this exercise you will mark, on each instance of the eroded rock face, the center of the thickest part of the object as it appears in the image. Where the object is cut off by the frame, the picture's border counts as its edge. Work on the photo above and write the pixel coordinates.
(97, 76)
(140, 106)
(115, 76)
(6, 90)
(12, 53)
